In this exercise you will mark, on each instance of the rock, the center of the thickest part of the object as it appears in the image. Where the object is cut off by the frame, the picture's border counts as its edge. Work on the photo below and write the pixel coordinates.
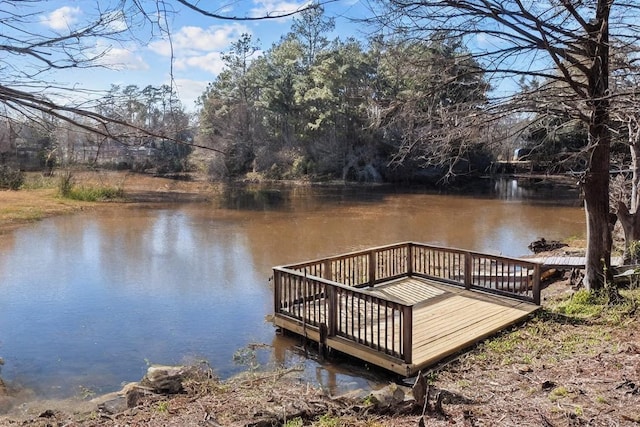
(543, 245)
(420, 390)
(165, 379)
(113, 406)
(387, 397)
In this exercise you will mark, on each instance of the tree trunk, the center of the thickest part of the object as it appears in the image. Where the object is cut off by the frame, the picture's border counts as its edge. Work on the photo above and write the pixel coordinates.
(596, 184)
(631, 226)
(596, 202)
(634, 148)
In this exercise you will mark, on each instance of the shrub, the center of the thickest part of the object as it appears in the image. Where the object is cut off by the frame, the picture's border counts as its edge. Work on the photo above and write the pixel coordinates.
(10, 178)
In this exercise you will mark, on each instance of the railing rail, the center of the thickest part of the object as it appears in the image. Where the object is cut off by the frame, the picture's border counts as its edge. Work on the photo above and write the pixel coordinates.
(328, 294)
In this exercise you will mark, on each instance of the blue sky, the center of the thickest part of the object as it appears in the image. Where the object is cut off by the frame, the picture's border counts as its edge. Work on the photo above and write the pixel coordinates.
(197, 41)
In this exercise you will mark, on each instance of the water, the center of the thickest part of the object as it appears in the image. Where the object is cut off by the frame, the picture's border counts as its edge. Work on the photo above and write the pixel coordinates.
(87, 301)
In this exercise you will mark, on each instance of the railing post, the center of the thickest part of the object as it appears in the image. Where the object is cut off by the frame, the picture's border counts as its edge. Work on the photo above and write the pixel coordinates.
(409, 259)
(332, 311)
(407, 333)
(468, 270)
(372, 268)
(536, 284)
(327, 270)
(277, 292)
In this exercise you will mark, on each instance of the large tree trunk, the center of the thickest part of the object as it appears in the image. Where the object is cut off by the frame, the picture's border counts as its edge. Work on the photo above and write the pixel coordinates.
(596, 185)
(596, 202)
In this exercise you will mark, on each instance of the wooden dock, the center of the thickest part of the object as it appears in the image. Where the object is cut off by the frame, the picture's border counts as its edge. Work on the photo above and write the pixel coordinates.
(407, 306)
(567, 262)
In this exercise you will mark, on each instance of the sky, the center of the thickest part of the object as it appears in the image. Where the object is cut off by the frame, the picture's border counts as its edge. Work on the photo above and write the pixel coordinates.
(197, 41)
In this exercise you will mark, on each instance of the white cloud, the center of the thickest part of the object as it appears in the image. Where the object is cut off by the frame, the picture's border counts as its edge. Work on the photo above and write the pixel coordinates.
(191, 39)
(274, 7)
(189, 91)
(62, 18)
(199, 48)
(120, 58)
(211, 62)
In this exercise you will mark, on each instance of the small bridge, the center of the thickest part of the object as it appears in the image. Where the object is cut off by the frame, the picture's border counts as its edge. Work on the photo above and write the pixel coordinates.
(406, 306)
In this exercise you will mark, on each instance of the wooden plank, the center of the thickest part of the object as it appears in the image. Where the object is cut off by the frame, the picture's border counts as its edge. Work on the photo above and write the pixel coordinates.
(468, 325)
(369, 355)
(410, 291)
(428, 352)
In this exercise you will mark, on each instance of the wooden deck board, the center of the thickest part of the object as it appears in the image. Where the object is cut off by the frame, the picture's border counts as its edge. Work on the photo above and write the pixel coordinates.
(410, 290)
(456, 330)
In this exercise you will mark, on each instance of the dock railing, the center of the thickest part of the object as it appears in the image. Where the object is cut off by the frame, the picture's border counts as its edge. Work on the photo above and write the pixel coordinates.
(329, 297)
(331, 309)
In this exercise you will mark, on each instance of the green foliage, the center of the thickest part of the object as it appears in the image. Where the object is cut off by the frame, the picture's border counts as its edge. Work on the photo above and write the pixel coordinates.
(296, 422)
(10, 178)
(597, 306)
(163, 407)
(634, 250)
(328, 420)
(558, 393)
(68, 190)
(312, 107)
(95, 194)
(65, 184)
(583, 303)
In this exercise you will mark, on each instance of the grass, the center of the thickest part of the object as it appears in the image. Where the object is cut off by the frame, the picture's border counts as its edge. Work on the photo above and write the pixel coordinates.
(558, 393)
(87, 193)
(21, 214)
(595, 306)
(548, 337)
(94, 194)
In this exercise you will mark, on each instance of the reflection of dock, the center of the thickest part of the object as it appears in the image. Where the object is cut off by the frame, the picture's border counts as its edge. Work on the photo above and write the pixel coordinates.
(404, 307)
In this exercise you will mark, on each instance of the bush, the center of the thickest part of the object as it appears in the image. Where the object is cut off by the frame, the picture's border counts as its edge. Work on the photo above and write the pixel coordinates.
(66, 183)
(10, 179)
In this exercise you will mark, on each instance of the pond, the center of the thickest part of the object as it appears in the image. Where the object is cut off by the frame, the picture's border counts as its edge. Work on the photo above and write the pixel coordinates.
(88, 301)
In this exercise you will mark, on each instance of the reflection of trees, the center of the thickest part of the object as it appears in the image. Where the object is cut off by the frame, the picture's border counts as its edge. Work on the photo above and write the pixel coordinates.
(315, 229)
(166, 250)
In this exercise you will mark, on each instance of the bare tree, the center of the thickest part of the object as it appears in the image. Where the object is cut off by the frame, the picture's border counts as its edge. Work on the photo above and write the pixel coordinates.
(626, 113)
(566, 41)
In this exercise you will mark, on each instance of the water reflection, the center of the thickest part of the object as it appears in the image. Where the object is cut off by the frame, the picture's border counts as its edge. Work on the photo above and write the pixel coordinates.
(89, 299)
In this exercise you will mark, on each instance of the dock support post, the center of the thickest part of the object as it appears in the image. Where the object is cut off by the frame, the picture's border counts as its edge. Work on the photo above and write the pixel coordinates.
(409, 259)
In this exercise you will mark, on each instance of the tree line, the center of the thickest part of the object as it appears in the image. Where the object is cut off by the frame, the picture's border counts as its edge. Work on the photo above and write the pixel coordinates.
(308, 106)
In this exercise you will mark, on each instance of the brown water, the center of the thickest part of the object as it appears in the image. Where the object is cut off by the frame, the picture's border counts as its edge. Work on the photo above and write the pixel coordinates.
(88, 300)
